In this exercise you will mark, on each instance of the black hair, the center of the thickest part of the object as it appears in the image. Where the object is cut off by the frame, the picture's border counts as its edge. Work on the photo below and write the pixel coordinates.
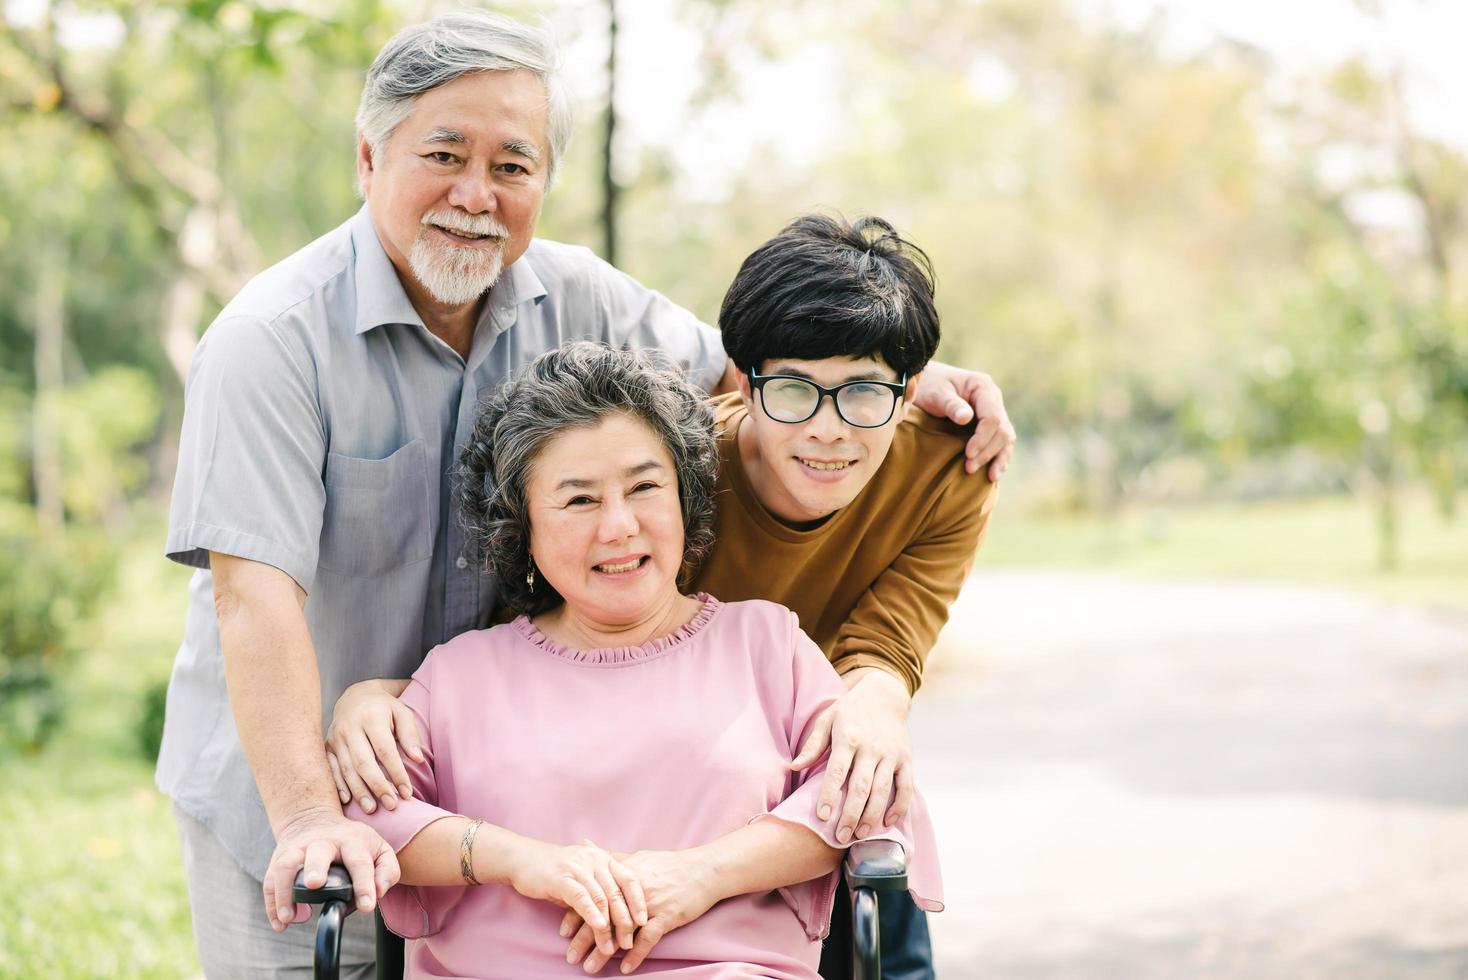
(825, 287)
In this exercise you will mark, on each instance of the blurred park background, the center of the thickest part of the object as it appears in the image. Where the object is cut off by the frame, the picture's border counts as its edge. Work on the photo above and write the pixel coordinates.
(1216, 254)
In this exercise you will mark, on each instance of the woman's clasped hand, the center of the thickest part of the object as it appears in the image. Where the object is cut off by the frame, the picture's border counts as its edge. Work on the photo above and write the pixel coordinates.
(603, 892)
(675, 889)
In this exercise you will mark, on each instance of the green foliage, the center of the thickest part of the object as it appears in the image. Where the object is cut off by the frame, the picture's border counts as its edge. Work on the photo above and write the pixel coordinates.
(1117, 233)
(49, 585)
(102, 422)
(89, 842)
(1131, 241)
(150, 720)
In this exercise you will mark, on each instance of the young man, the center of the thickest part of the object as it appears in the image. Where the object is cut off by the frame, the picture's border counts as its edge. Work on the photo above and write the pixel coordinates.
(839, 503)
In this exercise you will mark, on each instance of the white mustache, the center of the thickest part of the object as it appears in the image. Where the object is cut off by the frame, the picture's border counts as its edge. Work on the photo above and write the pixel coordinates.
(468, 224)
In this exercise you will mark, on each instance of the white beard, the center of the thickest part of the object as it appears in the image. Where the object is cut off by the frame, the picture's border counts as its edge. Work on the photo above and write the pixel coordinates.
(455, 275)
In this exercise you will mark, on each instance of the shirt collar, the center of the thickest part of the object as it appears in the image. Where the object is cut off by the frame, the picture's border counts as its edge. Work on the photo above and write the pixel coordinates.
(381, 298)
(380, 295)
(517, 284)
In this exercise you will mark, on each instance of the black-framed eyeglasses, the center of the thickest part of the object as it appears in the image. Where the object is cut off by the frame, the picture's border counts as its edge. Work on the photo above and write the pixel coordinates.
(864, 404)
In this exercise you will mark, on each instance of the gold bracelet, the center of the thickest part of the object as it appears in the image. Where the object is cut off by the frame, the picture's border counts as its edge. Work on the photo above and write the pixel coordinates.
(466, 852)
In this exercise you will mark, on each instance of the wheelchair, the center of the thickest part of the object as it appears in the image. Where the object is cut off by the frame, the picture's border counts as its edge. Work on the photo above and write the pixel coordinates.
(871, 867)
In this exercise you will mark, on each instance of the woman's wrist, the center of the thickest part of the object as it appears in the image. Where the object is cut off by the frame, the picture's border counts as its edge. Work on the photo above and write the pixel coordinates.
(394, 686)
(715, 868)
(466, 853)
(760, 857)
(499, 855)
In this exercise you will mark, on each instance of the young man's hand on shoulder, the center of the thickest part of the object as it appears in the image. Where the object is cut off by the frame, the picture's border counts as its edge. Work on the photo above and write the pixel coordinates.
(961, 396)
(871, 754)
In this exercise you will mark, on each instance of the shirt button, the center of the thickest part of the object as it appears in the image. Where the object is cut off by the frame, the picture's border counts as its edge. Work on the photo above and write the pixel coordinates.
(461, 563)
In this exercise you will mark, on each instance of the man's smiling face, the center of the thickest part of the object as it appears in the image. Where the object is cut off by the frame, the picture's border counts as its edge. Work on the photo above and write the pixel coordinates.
(805, 471)
(456, 190)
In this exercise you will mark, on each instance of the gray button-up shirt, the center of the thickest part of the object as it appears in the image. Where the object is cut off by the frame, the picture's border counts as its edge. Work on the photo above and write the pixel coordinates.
(321, 425)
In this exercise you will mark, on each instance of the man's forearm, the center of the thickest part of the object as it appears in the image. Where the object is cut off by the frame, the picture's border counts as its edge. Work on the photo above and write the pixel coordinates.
(765, 855)
(274, 687)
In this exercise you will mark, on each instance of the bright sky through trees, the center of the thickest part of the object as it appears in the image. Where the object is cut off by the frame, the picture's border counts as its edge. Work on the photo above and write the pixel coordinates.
(1424, 38)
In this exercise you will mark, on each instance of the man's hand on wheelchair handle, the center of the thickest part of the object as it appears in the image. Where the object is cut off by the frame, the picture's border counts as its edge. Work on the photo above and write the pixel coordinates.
(866, 731)
(315, 839)
(370, 729)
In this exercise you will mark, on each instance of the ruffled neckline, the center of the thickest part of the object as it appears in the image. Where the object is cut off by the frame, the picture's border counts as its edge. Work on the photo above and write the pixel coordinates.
(621, 656)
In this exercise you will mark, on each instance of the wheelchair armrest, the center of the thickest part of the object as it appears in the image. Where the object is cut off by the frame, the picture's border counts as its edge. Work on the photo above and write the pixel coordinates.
(880, 865)
(338, 888)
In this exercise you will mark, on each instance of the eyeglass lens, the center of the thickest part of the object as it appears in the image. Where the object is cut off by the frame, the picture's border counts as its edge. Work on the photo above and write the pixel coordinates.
(793, 400)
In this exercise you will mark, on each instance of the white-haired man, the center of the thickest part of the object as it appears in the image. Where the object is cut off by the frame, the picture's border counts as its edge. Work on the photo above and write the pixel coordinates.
(324, 409)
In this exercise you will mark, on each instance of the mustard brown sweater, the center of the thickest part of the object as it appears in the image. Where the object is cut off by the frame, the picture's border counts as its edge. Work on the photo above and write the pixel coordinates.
(871, 584)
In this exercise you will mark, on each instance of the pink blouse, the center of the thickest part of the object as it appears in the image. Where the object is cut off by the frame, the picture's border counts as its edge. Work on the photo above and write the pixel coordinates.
(663, 746)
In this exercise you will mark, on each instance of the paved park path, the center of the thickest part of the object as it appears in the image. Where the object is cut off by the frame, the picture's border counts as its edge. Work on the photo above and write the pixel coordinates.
(1141, 780)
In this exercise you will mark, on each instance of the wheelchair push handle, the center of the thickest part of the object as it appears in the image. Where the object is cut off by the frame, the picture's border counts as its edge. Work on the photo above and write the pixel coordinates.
(872, 866)
(337, 901)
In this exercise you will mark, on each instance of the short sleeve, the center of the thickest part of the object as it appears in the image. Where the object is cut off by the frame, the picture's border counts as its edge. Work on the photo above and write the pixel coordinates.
(816, 686)
(251, 454)
(639, 317)
(414, 911)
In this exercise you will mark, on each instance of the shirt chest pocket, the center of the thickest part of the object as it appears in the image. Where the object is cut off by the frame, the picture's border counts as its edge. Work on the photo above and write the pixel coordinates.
(377, 512)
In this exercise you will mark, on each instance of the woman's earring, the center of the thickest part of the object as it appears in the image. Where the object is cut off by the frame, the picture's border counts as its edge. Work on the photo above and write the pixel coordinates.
(530, 578)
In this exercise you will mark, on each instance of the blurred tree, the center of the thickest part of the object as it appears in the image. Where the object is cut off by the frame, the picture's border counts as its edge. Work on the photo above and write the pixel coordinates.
(49, 584)
(1378, 340)
(610, 188)
(174, 149)
(147, 132)
(1123, 234)
(1099, 212)
(101, 423)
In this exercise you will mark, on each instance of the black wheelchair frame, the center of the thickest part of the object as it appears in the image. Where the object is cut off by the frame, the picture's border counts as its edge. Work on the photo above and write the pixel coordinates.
(871, 867)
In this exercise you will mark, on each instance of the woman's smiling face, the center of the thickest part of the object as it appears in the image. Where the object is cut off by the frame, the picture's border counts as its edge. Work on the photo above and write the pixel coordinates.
(606, 520)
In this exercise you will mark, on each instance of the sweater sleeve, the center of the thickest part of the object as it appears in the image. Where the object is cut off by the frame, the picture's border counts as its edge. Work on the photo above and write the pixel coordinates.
(897, 620)
(816, 686)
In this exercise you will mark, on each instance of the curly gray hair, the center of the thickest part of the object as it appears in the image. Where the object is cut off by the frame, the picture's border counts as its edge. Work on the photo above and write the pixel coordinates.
(425, 56)
(576, 385)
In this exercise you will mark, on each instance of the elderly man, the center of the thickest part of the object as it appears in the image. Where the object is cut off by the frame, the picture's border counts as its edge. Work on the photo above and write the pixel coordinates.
(324, 409)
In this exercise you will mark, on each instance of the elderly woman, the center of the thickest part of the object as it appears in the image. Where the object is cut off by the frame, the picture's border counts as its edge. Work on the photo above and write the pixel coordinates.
(614, 710)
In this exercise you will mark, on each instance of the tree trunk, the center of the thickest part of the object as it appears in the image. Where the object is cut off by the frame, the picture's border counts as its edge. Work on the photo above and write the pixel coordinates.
(609, 179)
(1443, 475)
(183, 304)
(50, 331)
(1388, 510)
(1388, 530)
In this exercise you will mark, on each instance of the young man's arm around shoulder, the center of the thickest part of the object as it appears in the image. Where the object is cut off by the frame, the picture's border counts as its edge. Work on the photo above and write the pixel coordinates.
(880, 652)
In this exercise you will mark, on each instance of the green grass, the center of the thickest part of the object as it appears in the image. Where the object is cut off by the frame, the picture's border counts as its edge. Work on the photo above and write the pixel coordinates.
(90, 865)
(1329, 541)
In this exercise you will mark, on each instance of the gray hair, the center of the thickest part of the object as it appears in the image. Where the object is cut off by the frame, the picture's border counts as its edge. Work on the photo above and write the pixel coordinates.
(462, 42)
(578, 385)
